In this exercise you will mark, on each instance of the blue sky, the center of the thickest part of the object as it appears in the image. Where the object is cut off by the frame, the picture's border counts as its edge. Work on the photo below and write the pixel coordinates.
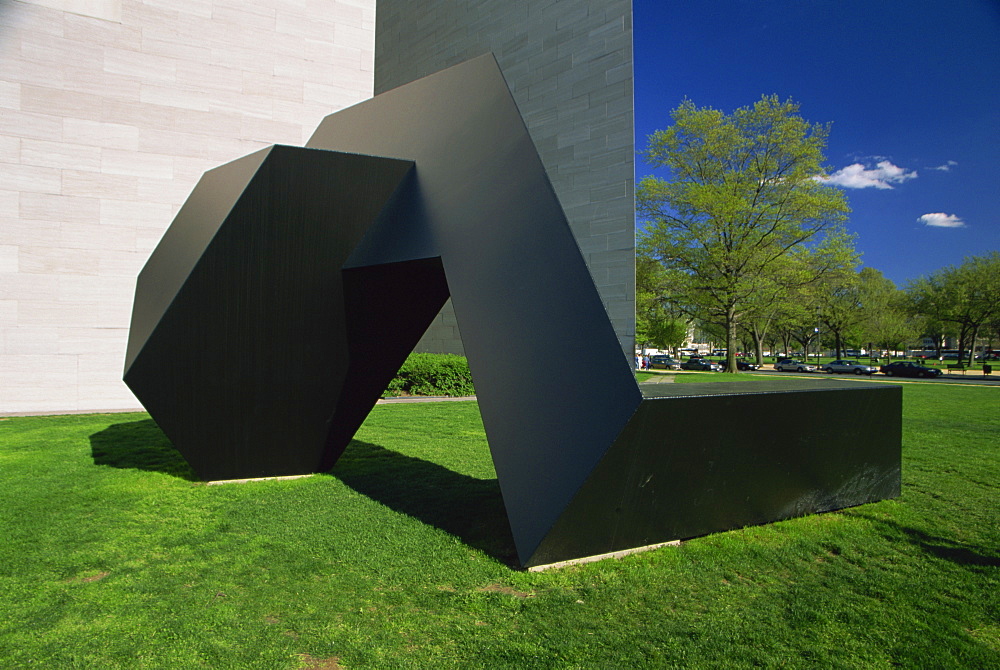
(912, 88)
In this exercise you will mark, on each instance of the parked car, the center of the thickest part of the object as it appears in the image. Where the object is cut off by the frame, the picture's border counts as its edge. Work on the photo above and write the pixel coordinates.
(850, 367)
(746, 366)
(908, 369)
(791, 365)
(664, 362)
(700, 364)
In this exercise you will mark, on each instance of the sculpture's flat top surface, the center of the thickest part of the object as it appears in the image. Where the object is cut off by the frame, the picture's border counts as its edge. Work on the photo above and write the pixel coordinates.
(655, 390)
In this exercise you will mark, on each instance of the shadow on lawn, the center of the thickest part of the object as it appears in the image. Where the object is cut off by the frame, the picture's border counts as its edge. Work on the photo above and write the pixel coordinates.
(140, 445)
(468, 508)
(949, 550)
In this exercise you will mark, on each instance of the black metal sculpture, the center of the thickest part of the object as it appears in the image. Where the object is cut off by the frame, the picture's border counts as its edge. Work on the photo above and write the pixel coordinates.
(293, 283)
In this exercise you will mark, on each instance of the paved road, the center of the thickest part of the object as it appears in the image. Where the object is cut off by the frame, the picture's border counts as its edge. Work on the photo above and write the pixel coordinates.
(970, 378)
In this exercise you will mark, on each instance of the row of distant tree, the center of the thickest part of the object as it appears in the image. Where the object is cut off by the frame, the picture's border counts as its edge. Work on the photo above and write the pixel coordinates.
(848, 309)
(746, 240)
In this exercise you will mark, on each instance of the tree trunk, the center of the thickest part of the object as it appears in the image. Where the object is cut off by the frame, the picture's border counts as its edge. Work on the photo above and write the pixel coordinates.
(804, 341)
(758, 344)
(730, 339)
(972, 346)
(962, 335)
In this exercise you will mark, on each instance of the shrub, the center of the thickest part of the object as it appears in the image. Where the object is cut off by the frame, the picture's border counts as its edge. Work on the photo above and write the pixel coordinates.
(432, 374)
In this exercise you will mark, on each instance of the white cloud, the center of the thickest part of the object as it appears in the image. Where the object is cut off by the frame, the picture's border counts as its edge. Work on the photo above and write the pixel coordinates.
(944, 168)
(882, 176)
(941, 220)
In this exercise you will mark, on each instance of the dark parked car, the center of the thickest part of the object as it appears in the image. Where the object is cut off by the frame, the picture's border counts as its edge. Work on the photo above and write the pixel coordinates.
(746, 366)
(664, 363)
(850, 367)
(700, 364)
(908, 369)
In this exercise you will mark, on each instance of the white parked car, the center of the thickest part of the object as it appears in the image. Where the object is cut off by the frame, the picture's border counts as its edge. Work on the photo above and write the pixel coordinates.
(789, 365)
(852, 367)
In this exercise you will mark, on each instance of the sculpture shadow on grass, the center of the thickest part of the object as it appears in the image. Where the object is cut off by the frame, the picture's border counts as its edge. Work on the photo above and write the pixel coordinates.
(974, 557)
(139, 445)
(469, 508)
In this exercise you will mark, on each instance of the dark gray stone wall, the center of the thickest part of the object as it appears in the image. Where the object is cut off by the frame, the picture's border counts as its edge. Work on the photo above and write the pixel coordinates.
(568, 64)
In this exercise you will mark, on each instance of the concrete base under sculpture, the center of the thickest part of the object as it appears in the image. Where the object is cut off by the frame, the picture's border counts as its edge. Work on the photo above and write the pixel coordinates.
(294, 282)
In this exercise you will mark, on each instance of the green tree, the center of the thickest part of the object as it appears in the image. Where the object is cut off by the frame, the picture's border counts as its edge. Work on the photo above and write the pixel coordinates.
(886, 320)
(743, 196)
(657, 322)
(787, 297)
(839, 307)
(965, 296)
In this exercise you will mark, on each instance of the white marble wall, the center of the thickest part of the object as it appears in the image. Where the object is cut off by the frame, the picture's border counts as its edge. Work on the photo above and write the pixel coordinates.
(110, 110)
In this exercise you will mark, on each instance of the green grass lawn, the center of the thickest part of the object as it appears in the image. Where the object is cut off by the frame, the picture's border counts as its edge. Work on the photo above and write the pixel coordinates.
(113, 556)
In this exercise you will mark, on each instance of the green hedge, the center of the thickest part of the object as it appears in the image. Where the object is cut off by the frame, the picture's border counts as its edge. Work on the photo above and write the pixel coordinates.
(432, 374)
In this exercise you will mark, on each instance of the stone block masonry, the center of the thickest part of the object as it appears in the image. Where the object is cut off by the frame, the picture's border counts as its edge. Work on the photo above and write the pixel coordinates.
(569, 67)
(110, 111)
